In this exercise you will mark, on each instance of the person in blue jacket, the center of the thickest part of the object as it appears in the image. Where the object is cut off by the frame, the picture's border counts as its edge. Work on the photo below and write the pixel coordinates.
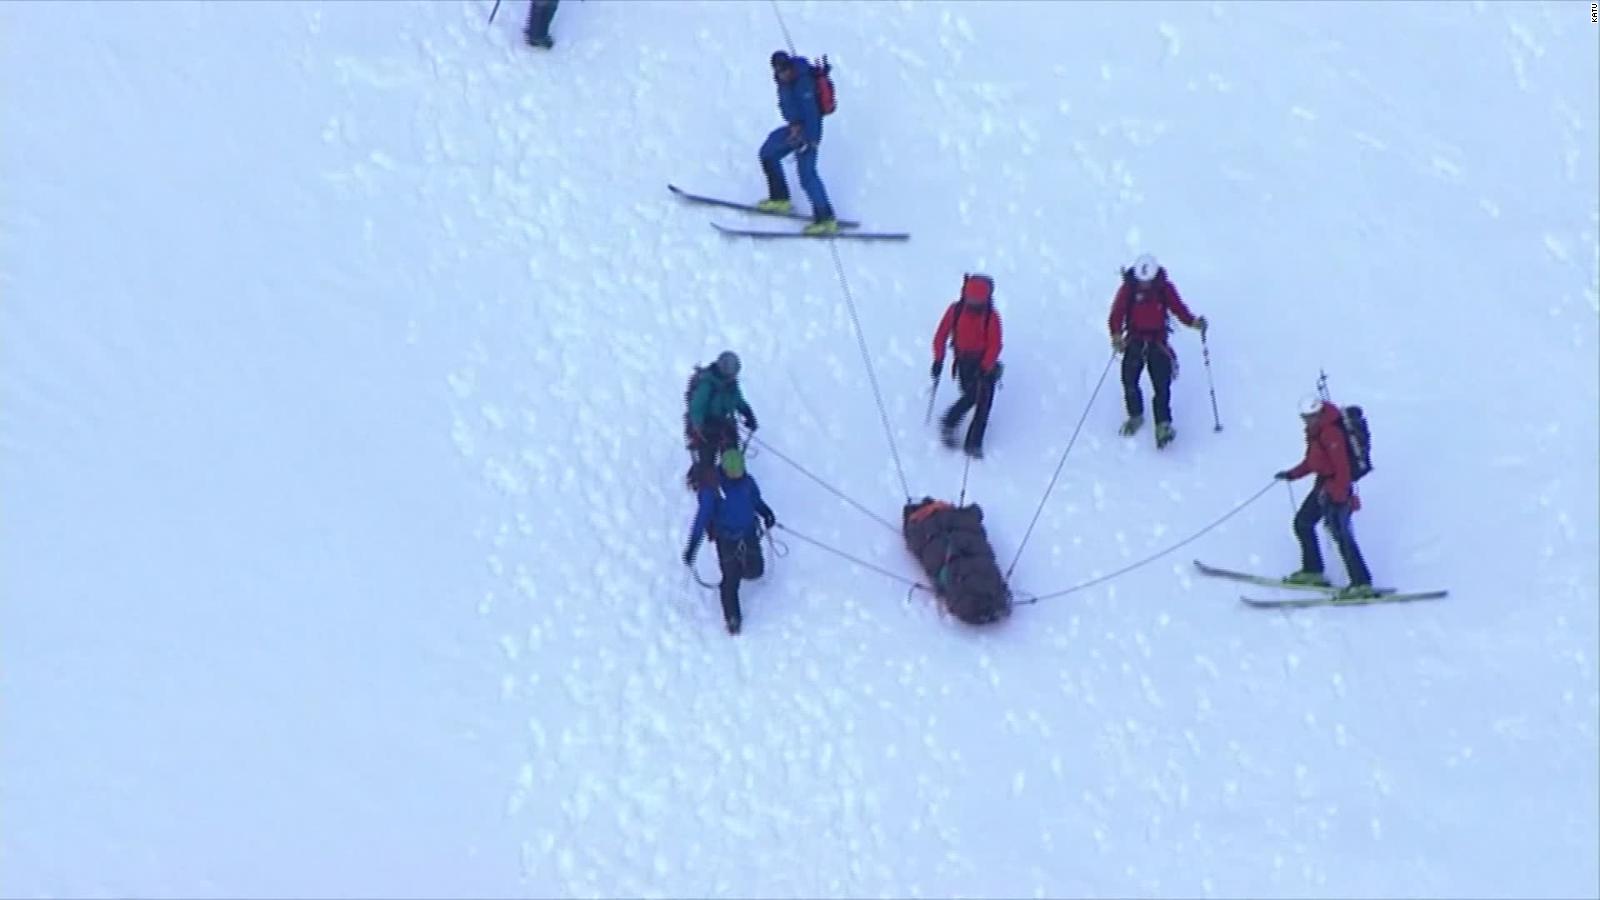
(730, 502)
(797, 101)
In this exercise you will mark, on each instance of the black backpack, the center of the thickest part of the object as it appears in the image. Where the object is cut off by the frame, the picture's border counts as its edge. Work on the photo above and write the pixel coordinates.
(1357, 441)
(1158, 291)
(688, 390)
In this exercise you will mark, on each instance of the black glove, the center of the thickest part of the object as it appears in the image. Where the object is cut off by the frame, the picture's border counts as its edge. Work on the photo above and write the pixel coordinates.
(937, 365)
(769, 519)
(688, 555)
(749, 420)
(1281, 476)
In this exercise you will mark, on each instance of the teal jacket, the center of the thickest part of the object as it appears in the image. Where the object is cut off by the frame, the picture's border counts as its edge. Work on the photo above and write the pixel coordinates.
(716, 399)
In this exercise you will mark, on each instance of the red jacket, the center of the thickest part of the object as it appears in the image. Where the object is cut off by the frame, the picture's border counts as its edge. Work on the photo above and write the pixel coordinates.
(1138, 309)
(977, 332)
(1326, 457)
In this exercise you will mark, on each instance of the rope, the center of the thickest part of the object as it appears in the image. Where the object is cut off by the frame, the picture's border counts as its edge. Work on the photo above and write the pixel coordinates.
(1052, 486)
(860, 562)
(786, 38)
(838, 266)
(1153, 557)
(827, 487)
(964, 470)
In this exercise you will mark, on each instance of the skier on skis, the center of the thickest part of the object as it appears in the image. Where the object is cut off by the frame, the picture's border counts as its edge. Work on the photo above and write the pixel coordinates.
(730, 502)
(797, 101)
(1332, 500)
(972, 326)
(1139, 329)
(714, 399)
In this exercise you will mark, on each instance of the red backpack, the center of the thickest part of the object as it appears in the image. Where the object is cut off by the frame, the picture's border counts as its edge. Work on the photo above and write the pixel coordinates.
(826, 103)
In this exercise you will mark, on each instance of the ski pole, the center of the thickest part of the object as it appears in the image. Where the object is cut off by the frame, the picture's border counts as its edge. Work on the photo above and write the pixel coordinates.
(493, 11)
(932, 392)
(1205, 352)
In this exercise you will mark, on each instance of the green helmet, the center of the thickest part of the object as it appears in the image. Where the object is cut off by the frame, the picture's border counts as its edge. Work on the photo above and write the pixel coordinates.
(733, 462)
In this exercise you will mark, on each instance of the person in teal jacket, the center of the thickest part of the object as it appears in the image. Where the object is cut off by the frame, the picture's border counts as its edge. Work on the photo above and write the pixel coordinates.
(730, 505)
(714, 399)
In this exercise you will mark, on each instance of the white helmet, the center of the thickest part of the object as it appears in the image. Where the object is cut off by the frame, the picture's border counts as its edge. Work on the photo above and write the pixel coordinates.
(1146, 267)
(1310, 405)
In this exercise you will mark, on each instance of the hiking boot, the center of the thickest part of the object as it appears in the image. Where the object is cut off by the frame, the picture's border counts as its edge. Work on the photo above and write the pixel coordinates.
(825, 226)
(947, 434)
(1356, 592)
(540, 40)
(1132, 425)
(1164, 434)
(975, 451)
(1308, 578)
(775, 206)
(733, 622)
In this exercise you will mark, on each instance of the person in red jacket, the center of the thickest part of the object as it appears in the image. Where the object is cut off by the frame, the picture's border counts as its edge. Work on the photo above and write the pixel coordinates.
(1332, 500)
(1139, 329)
(972, 327)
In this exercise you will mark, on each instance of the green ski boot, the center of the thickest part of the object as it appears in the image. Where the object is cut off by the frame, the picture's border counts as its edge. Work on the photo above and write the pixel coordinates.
(1131, 426)
(826, 226)
(1164, 434)
(779, 207)
(1355, 592)
(1310, 579)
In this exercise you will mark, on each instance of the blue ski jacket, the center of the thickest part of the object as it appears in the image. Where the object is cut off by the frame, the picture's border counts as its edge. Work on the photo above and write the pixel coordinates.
(728, 511)
(797, 100)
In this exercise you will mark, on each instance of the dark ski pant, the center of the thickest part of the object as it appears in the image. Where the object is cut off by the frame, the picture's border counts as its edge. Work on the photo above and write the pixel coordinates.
(773, 151)
(1157, 357)
(1317, 508)
(976, 391)
(716, 436)
(540, 12)
(740, 559)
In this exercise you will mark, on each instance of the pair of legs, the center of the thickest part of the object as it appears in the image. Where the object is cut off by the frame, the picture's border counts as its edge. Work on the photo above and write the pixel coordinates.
(715, 436)
(1336, 516)
(1157, 357)
(773, 151)
(976, 391)
(540, 12)
(740, 560)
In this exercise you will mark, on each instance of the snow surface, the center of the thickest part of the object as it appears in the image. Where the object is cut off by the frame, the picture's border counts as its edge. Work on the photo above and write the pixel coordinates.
(340, 404)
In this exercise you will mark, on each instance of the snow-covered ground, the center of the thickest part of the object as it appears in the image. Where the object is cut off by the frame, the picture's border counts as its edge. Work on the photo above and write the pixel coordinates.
(341, 499)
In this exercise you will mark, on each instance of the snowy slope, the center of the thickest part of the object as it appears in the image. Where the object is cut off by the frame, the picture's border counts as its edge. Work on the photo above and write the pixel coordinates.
(341, 502)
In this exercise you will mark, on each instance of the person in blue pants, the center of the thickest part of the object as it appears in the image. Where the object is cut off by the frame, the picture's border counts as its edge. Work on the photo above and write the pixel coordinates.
(797, 101)
(730, 513)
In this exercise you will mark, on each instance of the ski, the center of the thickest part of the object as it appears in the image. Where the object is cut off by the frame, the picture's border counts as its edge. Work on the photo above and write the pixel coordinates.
(843, 235)
(748, 207)
(1263, 580)
(1269, 581)
(1331, 600)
